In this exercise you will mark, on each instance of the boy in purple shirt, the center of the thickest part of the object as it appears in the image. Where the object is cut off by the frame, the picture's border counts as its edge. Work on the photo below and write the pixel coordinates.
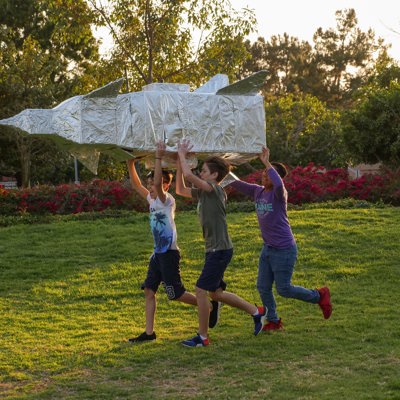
(279, 252)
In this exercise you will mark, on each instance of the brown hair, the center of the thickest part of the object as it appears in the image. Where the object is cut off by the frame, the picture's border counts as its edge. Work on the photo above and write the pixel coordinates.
(280, 169)
(166, 176)
(219, 165)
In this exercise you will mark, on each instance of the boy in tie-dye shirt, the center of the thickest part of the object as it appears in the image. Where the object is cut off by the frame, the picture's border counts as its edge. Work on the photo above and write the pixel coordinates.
(164, 262)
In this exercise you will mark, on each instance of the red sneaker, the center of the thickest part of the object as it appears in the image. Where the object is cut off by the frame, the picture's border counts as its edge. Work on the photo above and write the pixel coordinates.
(273, 326)
(325, 302)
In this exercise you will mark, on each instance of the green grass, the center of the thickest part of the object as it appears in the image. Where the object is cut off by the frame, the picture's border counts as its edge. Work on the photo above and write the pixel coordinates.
(70, 298)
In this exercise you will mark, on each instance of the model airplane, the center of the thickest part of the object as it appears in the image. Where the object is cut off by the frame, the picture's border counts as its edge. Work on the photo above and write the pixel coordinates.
(217, 118)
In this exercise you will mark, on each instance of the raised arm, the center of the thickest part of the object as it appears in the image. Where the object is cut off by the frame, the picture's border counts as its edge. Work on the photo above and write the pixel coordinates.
(135, 180)
(277, 181)
(183, 149)
(264, 157)
(180, 187)
(158, 183)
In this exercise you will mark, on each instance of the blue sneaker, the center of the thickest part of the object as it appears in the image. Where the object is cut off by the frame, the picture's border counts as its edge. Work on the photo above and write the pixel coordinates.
(260, 320)
(196, 341)
(214, 313)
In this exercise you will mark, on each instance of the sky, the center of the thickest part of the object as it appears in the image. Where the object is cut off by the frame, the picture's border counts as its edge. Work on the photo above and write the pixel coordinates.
(302, 18)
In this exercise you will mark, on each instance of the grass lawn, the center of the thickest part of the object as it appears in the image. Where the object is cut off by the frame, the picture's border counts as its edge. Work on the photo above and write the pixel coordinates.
(70, 298)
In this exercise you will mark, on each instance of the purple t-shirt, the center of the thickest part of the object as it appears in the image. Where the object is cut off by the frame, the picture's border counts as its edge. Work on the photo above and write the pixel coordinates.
(271, 209)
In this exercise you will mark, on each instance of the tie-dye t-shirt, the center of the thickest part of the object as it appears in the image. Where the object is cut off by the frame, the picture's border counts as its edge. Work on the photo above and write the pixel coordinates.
(162, 223)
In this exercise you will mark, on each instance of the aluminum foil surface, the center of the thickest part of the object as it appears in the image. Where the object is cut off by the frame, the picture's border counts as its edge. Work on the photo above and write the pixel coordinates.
(217, 118)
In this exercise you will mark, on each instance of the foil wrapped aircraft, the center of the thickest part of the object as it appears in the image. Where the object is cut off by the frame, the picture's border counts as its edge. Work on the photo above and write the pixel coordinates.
(217, 118)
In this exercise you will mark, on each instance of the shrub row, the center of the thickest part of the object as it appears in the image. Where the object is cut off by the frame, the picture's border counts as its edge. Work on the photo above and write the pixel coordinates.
(310, 184)
(130, 216)
(97, 195)
(316, 184)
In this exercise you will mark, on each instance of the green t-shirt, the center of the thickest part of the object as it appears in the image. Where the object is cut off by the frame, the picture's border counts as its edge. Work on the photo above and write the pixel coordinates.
(211, 208)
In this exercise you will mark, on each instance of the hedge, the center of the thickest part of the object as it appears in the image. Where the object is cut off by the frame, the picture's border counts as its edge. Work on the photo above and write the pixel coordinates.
(310, 184)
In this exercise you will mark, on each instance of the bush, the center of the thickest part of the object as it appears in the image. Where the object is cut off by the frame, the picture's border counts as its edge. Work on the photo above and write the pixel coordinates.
(311, 184)
(315, 184)
(97, 195)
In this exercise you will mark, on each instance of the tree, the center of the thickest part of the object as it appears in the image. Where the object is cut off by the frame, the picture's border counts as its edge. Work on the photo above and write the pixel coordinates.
(289, 62)
(344, 57)
(372, 128)
(386, 71)
(46, 47)
(8, 157)
(332, 69)
(154, 39)
(300, 130)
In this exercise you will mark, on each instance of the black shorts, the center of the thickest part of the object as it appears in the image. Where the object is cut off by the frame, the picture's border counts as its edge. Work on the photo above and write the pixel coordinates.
(211, 277)
(164, 267)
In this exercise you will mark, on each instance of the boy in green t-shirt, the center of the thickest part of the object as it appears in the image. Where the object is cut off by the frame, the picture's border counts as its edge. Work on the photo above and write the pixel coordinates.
(219, 249)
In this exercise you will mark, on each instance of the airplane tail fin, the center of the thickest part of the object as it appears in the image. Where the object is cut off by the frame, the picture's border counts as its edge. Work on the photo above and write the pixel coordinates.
(110, 90)
(246, 87)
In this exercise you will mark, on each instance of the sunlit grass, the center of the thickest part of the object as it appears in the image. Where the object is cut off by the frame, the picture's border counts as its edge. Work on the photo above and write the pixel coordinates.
(70, 298)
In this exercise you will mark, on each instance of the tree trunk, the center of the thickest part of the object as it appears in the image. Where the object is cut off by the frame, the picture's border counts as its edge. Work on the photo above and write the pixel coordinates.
(24, 150)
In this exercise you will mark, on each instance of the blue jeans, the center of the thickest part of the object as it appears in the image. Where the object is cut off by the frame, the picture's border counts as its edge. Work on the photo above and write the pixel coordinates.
(277, 265)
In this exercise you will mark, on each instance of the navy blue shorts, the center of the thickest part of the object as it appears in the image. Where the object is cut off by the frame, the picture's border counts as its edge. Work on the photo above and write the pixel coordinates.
(164, 267)
(212, 275)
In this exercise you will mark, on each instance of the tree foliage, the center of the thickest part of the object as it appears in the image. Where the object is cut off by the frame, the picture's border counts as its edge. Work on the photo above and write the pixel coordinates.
(372, 129)
(46, 47)
(300, 130)
(337, 64)
(306, 81)
(345, 56)
(289, 63)
(48, 53)
(174, 41)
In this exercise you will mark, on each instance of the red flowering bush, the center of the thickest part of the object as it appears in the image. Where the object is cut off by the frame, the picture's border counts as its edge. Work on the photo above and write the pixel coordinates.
(310, 184)
(97, 195)
(313, 184)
